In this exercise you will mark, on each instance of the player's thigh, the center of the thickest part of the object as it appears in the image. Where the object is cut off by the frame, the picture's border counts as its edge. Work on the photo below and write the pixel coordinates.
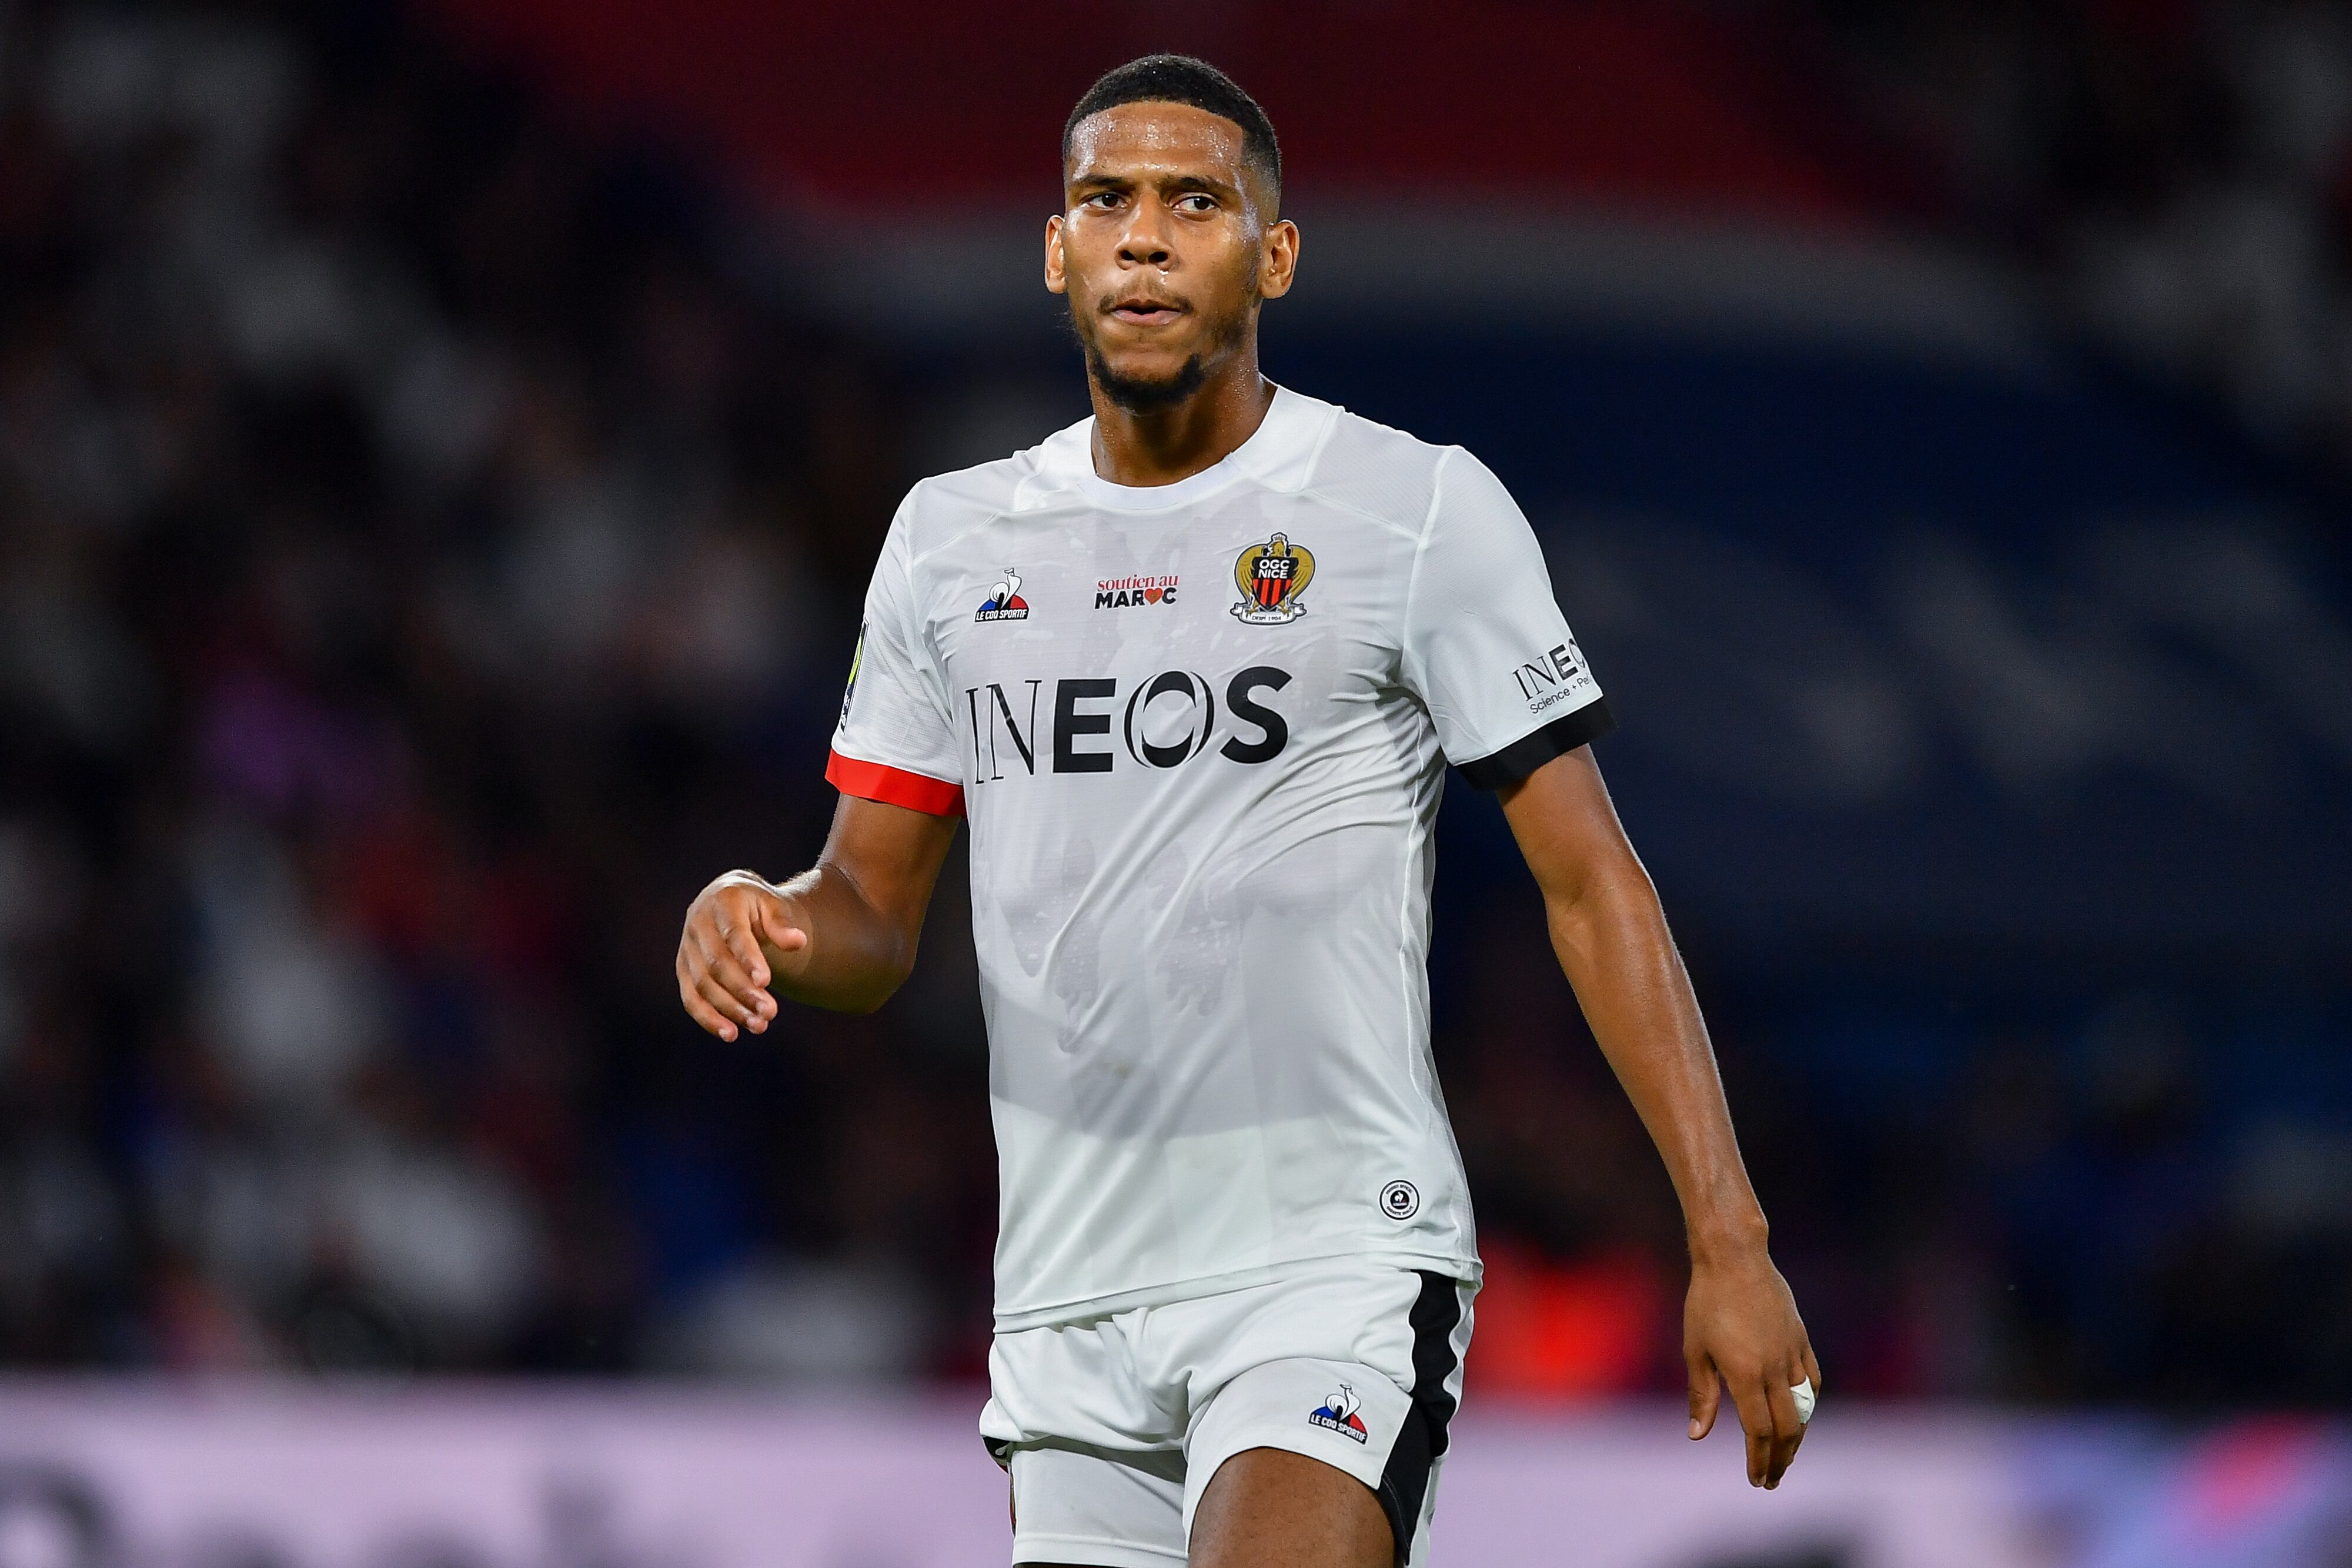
(1078, 1507)
(1269, 1506)
(1358, 1376)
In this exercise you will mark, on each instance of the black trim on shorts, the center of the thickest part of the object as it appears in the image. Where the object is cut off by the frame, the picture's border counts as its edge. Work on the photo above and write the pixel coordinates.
(1529, 752)
(1420, 1441)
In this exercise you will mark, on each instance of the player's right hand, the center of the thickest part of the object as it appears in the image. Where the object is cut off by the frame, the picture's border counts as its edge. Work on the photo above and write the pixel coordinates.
(736, 930)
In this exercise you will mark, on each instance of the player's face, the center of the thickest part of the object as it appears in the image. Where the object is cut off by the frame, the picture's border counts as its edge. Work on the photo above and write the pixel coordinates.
(1164, 246)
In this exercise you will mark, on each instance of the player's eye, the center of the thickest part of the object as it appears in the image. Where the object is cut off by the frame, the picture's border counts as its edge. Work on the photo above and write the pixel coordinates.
(1102, 200)
(1196, 202)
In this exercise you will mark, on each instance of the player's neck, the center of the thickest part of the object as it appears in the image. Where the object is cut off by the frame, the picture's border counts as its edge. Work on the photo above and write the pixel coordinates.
(1161, 446)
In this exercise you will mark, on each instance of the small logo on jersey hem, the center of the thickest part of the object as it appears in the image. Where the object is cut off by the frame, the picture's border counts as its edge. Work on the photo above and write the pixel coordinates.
(1338, 1414)
(1004, 602)
(1400, 1200)
(1271, 577)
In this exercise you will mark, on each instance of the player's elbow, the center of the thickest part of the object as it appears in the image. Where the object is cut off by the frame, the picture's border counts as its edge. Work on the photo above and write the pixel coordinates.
(1609, 896)
(1602, 884)
(885, 971)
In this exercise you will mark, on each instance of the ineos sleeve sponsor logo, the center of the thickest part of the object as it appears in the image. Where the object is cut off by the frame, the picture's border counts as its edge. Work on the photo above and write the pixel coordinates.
(1548, 680)
(1168, 721)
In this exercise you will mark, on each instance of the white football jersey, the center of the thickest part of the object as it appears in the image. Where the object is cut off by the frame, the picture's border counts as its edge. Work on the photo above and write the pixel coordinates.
(1199, 730)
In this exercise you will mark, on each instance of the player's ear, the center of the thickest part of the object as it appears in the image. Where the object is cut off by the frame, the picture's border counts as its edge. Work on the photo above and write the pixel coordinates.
(1056, 282)
(1280, 262)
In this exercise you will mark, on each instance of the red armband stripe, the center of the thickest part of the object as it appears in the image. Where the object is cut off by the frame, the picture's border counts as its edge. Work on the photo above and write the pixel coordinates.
(894, 785)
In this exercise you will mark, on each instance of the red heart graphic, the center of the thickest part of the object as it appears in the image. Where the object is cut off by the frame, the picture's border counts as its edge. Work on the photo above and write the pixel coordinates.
(1151, 595)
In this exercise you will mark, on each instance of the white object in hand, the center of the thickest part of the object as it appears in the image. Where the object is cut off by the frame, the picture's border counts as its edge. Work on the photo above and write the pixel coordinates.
(1803, 1394)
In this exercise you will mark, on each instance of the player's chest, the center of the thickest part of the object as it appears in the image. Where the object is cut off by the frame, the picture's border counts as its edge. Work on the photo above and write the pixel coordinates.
(1093, 596)
(1098, 645)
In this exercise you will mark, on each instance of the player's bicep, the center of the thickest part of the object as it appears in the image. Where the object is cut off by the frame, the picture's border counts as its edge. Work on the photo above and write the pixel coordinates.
(1567, 827)
(891, 855)
(1485, 646)
(895, 742)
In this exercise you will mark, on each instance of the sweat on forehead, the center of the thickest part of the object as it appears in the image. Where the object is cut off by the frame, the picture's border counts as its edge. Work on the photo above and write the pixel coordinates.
(1166, 144)
(1156, 132)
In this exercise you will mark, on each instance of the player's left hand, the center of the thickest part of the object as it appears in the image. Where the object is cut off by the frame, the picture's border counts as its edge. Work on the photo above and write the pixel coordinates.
(1740, 1329)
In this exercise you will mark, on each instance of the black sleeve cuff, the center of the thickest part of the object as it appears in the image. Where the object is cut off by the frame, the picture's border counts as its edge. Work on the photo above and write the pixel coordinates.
(1527, 753)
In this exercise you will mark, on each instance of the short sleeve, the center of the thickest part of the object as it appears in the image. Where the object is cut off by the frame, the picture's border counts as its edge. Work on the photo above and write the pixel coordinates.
(1485, 647)
(895, 742)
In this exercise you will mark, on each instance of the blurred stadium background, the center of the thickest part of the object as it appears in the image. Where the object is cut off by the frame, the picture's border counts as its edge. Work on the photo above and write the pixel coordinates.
(442, 447)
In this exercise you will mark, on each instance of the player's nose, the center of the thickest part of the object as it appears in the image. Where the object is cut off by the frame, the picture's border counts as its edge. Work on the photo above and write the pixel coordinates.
(1145, 242)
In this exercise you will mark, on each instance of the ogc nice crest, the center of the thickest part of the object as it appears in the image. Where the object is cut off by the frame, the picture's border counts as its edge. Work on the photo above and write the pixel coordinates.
(1271, 577)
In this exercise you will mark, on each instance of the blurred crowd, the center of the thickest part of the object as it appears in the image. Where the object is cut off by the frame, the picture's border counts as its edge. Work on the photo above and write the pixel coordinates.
(430, 540)
(423, 565)
(2181, 171)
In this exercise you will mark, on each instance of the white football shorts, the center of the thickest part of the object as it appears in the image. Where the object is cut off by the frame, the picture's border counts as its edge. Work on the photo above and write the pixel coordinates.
(1112, 1426)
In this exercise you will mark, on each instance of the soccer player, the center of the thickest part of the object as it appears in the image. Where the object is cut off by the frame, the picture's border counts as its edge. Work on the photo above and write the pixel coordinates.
(1192, 669)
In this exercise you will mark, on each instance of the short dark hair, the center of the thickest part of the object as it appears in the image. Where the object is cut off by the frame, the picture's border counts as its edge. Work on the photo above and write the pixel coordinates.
(1181, 79)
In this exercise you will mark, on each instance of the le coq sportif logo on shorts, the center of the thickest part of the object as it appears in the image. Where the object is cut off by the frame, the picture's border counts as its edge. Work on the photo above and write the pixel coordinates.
(1400, 1200)
(1338, 1414)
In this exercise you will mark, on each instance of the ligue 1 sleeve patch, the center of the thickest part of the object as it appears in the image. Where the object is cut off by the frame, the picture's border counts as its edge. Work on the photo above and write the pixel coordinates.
(856, 662)
(1271, 577)
(1338, 1414)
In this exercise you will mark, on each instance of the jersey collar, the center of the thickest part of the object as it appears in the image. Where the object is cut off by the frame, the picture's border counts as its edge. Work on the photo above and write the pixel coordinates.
(1288, 427)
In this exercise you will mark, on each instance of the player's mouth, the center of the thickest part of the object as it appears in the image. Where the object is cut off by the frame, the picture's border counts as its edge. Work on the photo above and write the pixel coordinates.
(1145, 310)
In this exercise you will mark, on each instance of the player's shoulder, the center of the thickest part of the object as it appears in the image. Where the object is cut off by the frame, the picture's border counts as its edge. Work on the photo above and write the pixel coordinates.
(1382, 474)
(945, 505)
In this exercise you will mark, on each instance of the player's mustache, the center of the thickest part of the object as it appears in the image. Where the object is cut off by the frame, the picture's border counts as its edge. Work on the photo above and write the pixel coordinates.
(1141, 300)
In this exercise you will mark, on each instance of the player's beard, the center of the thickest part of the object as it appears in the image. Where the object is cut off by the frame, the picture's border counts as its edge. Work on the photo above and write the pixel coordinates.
(1142, 394)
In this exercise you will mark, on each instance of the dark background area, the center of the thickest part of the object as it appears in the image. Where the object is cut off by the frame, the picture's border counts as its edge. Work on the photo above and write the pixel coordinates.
(438, 476)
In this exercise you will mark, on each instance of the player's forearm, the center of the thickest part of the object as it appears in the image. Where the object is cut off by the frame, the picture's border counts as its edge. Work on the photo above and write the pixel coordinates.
(856, 954)
(1611, 939)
